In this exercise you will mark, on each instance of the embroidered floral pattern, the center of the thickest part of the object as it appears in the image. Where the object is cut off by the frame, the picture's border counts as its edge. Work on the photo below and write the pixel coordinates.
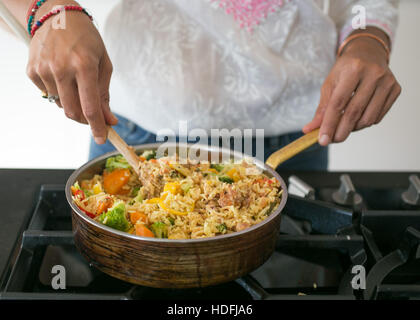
(249, 13)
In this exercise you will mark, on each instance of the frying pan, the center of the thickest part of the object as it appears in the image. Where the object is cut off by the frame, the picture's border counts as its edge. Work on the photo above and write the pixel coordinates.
(188, 263)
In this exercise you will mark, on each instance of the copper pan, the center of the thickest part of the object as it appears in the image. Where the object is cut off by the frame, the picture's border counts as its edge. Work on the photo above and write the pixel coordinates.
(164, 263)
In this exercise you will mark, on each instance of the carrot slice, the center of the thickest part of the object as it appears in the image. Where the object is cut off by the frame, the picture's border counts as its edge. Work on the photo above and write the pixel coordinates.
(124, 192)
(135, 216)
(104, 205)
(115, 180)
(143, 231)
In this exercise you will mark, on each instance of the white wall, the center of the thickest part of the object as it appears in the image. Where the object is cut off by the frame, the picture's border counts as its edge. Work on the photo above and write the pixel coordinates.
(36, 134)
(394, 144)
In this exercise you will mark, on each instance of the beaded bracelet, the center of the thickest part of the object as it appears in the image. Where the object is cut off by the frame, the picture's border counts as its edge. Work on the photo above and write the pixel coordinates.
(40, 22)
(32, 11)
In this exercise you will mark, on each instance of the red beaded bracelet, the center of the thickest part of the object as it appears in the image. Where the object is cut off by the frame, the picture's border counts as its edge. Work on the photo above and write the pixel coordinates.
(31, 9)
(41, 21)
(30, 16)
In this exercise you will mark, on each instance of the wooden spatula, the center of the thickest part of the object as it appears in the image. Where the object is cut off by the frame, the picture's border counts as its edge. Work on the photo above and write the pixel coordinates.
(292, 149)
(127, 151)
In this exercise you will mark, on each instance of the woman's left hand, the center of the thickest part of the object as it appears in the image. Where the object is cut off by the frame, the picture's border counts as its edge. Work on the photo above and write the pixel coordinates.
(357, 93)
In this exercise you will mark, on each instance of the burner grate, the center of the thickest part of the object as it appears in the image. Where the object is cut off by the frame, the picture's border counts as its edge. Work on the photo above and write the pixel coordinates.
(312, 261)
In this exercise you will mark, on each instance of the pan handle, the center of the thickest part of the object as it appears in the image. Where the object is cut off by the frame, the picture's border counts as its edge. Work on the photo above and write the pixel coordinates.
(292, 149)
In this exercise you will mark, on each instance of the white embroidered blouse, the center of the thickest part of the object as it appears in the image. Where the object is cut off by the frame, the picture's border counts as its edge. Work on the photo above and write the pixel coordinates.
(255, 64)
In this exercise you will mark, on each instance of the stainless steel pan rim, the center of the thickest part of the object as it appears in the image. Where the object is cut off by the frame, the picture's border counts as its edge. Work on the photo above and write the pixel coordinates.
(153, 146)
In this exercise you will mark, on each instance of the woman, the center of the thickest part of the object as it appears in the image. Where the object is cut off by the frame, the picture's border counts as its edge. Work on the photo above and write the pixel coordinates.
(255, 64)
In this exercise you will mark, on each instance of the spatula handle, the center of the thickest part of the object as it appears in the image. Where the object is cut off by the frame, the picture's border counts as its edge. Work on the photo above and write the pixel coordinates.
(292, 149)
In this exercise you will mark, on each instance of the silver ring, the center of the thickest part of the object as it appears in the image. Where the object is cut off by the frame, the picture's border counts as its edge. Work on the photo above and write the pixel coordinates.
(53, 99)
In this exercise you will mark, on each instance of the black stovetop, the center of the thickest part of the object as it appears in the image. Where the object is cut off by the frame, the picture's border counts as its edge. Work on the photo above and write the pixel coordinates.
(319, 244)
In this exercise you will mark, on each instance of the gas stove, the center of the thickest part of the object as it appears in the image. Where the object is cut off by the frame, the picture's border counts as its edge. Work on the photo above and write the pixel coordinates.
(343, 236)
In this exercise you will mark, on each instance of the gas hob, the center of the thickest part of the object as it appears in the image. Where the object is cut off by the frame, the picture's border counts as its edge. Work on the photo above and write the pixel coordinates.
(343, 236)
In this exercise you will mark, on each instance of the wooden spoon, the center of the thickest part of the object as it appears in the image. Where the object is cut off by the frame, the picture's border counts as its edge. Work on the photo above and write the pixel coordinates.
(127, 151)
(292, 149)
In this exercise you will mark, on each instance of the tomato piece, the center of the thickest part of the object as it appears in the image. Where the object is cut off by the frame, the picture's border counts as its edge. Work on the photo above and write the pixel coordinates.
(78, 193)
(89, 214)
(263, 180)
(115, 180)
(143, 231)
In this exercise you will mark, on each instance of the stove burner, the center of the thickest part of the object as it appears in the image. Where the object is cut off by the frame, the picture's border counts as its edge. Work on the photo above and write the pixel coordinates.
(300, 188)
(346, 195)
(412, 195)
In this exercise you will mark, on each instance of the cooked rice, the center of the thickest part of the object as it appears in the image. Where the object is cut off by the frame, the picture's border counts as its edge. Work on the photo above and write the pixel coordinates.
(210, 207)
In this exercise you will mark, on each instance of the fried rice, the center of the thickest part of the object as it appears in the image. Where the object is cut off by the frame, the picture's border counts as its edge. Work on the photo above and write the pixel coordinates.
(178, 201)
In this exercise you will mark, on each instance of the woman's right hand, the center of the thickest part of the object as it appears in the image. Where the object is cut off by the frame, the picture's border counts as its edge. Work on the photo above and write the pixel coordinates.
(72, 63)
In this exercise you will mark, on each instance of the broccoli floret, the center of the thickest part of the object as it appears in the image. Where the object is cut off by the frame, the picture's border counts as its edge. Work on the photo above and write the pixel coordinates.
(218, 167)
(160, 229)
(115, 217)
(186, 187)
(174, 174)
(271, 208)
(117, 162)
(139, 197)
(226, 179)
(221, 228)
(149, 154)
(135, 191)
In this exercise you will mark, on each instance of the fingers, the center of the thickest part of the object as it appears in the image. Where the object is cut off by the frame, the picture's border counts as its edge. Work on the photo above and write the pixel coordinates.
(383, 98)
(326, 91)
(371, 101)
(354, 110)
(373, 110)
(45, 74)
(105, 73)
(364, 89)
(71, 65)
(69, 97)
(393, 96)
(83, 92)
(87, 82)
(340, 97)
(33, 75)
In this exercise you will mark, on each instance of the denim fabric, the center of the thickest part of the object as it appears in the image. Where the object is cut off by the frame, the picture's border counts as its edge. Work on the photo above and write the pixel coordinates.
(314, 158)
